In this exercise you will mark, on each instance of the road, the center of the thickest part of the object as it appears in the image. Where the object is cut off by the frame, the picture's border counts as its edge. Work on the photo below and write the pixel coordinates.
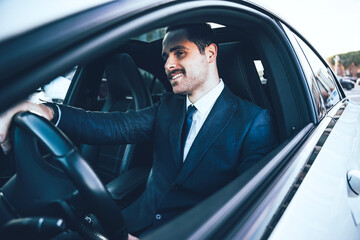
(354, 94)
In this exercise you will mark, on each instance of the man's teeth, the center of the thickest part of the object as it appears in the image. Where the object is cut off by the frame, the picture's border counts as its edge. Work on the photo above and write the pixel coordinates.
(177, 75)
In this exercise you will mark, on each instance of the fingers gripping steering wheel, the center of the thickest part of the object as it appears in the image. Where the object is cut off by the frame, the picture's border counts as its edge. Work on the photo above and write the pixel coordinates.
(38, 183)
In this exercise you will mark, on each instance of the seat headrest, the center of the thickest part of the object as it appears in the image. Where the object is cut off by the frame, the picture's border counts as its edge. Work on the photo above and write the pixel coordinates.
(237, 69)
(124, 80)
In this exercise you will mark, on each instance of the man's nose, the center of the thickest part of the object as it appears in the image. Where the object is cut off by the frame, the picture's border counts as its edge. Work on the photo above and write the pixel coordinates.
(170, 64)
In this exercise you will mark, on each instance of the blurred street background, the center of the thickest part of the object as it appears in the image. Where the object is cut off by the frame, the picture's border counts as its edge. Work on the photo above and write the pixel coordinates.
(354, 94)
(332, 27)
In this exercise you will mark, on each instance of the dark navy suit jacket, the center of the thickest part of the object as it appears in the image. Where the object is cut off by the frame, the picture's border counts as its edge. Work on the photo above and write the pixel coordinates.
(234, 136)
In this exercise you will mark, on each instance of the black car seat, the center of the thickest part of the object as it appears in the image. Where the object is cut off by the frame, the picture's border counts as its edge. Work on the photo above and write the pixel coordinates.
(237, 69)
(127, 90)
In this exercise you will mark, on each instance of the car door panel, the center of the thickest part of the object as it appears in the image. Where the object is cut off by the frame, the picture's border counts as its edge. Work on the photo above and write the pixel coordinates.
(322, 207)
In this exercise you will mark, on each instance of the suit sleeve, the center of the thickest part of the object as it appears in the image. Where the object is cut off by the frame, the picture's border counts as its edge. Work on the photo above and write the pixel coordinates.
(91, 127)
(259, 141)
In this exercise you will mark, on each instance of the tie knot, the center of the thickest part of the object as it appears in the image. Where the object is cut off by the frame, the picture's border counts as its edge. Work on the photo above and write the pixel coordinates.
(191, 110)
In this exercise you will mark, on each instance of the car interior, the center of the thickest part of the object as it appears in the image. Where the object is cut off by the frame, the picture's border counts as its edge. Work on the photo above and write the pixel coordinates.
(251, 62)
(131, 73)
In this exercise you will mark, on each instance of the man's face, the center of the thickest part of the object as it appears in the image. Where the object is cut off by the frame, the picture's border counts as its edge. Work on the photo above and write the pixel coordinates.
(185, 67)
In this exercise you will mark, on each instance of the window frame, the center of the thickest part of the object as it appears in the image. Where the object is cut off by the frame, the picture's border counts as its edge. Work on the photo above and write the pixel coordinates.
(318, 102)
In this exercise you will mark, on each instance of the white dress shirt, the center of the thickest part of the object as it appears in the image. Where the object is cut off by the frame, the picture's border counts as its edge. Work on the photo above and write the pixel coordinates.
(203, 106)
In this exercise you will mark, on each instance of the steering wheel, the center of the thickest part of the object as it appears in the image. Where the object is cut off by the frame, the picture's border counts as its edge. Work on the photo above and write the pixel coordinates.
(38, 183)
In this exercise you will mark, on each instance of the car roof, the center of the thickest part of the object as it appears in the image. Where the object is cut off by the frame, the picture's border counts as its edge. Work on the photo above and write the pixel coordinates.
(19, 17)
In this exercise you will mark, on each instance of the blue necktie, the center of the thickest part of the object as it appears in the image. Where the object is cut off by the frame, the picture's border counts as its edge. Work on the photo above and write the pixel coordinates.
(188, 121)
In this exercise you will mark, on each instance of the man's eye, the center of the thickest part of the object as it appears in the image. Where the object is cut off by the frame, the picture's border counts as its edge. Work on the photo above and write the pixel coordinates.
(179, 53)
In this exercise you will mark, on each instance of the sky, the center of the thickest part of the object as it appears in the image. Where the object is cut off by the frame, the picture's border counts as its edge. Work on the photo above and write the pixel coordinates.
(331, 26)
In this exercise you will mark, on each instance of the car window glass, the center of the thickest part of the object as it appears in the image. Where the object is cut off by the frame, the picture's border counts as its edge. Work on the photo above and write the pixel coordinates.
(324, 79)
(159, 33)
(56, 90)
(310, 77)
(152, 35)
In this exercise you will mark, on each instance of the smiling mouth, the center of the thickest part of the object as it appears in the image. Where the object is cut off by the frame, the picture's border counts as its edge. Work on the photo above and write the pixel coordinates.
(177, 76)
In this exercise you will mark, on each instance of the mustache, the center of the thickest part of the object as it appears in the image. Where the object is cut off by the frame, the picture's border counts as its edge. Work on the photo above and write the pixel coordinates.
(181, 70)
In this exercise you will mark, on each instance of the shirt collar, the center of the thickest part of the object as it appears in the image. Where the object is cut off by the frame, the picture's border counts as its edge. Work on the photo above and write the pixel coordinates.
(207, 101)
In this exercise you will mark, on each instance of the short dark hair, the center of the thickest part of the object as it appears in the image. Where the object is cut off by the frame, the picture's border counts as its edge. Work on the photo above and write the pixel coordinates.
(199, 33)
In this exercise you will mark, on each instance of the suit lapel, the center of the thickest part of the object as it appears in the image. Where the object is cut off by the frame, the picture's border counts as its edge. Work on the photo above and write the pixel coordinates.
(218, 118)
(175, 133)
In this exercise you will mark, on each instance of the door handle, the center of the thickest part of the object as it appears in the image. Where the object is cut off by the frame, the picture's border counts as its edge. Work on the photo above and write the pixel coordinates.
(353, 179)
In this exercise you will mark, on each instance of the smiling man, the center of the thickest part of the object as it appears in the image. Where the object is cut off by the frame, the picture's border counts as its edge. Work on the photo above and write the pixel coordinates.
(203, 135)
(190, 63)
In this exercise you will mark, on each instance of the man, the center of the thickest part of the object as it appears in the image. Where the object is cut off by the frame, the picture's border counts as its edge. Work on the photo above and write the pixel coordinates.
(203, 135)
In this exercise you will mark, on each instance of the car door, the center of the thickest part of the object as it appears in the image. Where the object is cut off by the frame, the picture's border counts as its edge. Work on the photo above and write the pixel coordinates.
(321, 205)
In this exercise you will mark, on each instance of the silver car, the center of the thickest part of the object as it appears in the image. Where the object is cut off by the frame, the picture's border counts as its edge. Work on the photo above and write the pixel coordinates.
(307, 188)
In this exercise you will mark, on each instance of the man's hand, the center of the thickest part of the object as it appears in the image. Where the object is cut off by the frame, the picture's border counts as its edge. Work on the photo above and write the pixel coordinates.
(6, 117)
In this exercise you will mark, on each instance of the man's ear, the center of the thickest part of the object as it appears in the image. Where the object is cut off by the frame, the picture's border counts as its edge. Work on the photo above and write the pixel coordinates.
(211, 52)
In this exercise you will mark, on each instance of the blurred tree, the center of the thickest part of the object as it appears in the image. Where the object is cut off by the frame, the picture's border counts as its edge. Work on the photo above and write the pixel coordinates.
(346, 59)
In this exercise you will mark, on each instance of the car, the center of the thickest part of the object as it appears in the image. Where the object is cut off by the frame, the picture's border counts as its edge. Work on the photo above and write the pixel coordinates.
(347, 84)
(353, 79)
(306, 188)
